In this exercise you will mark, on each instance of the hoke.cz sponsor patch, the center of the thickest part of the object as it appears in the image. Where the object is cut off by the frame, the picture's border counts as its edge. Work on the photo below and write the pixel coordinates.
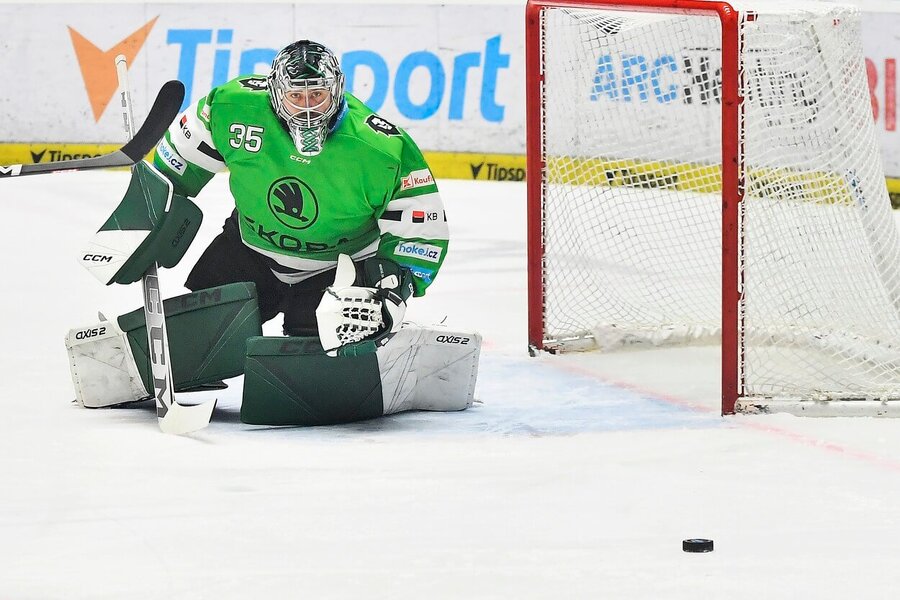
(170, 157)
(421, 251)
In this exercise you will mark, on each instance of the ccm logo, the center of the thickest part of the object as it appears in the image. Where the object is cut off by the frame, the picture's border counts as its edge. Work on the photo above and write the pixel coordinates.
(97, 258)
(452, 339)
(89, 333)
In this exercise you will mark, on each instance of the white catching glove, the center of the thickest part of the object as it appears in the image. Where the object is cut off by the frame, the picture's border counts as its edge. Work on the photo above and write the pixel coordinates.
(349, 313)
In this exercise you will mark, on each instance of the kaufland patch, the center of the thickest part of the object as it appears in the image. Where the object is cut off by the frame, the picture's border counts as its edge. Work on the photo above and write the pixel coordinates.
(417, 179)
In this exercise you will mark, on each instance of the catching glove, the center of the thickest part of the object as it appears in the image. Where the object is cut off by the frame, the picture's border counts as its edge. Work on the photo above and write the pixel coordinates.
(349, 313)
(393, 285)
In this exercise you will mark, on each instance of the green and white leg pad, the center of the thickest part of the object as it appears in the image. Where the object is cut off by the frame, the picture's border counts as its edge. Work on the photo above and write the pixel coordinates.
(208, 329)
(292, 381)
(104, 372)
(428, 368)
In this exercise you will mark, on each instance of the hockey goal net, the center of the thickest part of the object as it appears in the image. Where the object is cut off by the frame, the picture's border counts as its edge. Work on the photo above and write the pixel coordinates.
(699, 172)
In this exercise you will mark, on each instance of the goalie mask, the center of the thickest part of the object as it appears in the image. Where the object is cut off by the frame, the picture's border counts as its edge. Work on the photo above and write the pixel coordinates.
(306, 88)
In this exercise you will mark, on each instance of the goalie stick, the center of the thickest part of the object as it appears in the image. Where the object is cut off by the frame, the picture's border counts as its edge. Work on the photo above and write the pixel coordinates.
(164, 110)
(173, 417)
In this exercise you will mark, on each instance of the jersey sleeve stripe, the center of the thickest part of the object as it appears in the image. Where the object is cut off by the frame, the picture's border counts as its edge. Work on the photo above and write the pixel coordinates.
(415, 217)
(188, 136)
(429, 202)
(408, 229)
(210, 151)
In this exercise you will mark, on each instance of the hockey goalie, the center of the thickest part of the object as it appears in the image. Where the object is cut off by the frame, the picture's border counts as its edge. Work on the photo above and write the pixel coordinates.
(338, 223)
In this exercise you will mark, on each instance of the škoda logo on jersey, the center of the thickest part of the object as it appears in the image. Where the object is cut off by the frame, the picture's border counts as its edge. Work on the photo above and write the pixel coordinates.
(417, 179)
(293, 203)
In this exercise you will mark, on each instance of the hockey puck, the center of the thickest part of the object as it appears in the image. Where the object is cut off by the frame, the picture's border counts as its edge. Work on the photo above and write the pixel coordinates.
(697, 545)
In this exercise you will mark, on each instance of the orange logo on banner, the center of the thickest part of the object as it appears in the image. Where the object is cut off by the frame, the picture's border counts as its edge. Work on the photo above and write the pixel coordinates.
(98, 68)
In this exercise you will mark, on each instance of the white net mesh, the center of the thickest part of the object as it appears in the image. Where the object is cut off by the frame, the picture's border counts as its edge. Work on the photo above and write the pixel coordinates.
(632, 194)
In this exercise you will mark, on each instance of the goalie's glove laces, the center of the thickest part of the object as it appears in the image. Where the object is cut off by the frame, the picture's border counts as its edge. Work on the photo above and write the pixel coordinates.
(360, 314)
(349, 313)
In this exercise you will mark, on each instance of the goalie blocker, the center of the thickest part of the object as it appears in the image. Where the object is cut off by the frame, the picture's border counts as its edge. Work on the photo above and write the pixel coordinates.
(150, 225)
(215, 334)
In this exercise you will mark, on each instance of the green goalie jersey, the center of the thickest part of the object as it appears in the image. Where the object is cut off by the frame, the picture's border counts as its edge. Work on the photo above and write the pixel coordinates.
(369, 191)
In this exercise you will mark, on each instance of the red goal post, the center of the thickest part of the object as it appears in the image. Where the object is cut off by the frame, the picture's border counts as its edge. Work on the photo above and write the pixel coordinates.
(794, 179)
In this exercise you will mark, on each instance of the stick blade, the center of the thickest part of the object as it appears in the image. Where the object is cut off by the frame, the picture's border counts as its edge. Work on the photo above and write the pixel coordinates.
(187, 418)
(164, 110)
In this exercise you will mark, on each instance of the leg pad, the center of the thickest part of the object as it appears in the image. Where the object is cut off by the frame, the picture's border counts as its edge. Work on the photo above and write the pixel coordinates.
(207, 332)
(291, 381)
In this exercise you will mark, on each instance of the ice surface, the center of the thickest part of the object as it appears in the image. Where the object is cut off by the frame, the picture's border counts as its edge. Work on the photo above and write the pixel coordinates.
(576, 476)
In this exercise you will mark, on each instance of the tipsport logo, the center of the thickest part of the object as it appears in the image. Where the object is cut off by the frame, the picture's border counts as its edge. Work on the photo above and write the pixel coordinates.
(98, 67)
(382, 81)
(392, 82)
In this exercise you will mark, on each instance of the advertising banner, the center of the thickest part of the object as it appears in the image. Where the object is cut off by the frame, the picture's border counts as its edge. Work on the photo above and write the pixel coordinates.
(453, 75)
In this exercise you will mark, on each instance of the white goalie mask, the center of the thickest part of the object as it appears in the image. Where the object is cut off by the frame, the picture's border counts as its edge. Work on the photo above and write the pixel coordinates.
(306, 88)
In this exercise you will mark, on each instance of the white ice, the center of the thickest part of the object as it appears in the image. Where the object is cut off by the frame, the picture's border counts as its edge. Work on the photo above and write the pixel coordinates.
(575, 477)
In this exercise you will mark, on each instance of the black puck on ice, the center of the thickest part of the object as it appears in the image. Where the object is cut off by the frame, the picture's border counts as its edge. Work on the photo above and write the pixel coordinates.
(697, 545)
